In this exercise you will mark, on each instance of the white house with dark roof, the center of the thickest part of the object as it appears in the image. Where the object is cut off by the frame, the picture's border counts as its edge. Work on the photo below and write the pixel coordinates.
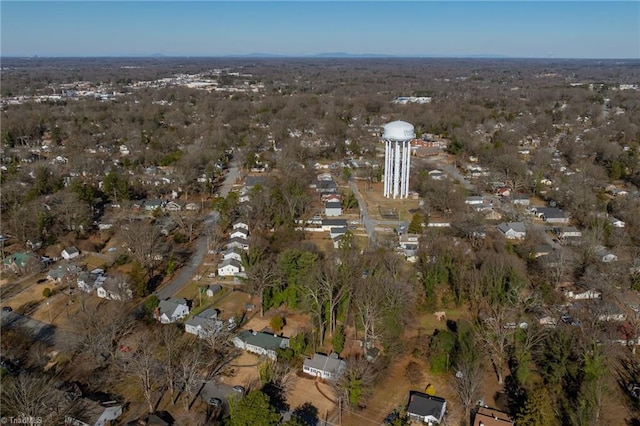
(204, 324)
(423, 408)
(326, 367)
(238, 242)
(333, 208)
(239, 233)
(229, 268)
(512, 230)
(260, 343)
(171, 310)
(241, 225)
(232, 253)
(70, 253)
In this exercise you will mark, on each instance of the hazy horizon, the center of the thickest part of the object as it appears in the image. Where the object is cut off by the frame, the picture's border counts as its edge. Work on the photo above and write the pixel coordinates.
(457, 29)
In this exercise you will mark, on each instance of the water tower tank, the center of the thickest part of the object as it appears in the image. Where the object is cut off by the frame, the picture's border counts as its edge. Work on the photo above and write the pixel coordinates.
(398, 131)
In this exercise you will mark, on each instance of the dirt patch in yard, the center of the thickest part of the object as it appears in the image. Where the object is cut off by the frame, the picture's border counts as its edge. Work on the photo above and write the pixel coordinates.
(243, 371)
(305, 390)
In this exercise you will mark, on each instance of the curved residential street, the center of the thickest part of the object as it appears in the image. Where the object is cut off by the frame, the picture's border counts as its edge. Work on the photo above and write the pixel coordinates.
(187, 272)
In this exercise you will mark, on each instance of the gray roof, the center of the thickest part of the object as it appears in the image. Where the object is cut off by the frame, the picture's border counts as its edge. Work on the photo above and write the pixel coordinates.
(333, 205)
(551, 212)
(231, 262)
(334, 222)
(208, 316)
(516, 226)
(425, 405)
(170, 305)
(263, 340)
(330, 364)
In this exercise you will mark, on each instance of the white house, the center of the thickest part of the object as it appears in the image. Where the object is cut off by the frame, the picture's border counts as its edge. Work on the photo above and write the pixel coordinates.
(229, 268)
(241, 225)
(616, 223)
(204, 324)
(521, 199)
(405, 240)
(260, 343)
(568, 232)
(326, 367)
(70, 253)
(114, 289)
(239, 233)
(171, 310)
(423, 408)
(333, 208)
(513, 230)
(474, 200)
(232, 253)
(583, 295)
(236, 242)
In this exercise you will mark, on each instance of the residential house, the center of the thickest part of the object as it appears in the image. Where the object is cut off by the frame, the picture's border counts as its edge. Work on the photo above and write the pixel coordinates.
(236, 242)
(333, 208)
(204, 324)
(568, 232)
(503, 192)
(327, 224)
(583, 295)
(325, 177)
(252, 181)
(62, 271)
(335, 198)
(192, 207)
(229, 268)
(486, 416)
(70, 253)
(513, 230)
(172, 206)
(427, 409)
(20, 262)
(241, 225)
(551, 215)
(232, 253)
(474, 200)
(239, 233)
(152, 205)
(171, 310)
(616, 223)
(521, 199)
(605, 255)
(326, 187)
(325, 367)
(337, 234)
(88, 281)
(406, 240)
(610, 312)
(95, 414)
(260, 343)
(114, 289)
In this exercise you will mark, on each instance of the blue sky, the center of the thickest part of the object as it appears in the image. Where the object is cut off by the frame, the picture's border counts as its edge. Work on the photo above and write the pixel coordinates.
(585, 29)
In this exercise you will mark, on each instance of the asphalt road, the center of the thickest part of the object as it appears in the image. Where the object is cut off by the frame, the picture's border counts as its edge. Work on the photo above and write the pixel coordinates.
(42, 332)
(187, 272)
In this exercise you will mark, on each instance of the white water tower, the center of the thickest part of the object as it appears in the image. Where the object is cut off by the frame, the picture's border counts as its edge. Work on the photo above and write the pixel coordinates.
(397, 137)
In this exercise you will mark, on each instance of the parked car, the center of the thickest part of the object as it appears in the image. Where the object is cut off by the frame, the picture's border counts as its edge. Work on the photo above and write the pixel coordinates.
(7, 309)
(239, 389)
